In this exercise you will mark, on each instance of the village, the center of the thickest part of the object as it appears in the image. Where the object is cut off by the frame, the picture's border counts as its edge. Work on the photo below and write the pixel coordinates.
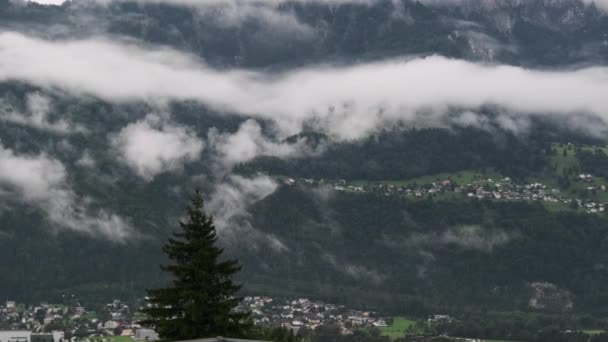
(305, 314)
(70, 322)
(118, 322)
(482, 188)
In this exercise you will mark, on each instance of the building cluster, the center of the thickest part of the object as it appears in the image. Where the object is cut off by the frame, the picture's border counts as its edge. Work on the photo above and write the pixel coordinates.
(71, 322)
(504, 189)
(116, 322)
(307, 314)
(63, 323)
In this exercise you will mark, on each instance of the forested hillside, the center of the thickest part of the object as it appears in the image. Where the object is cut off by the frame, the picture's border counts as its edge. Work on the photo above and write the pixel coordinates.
(286, 115)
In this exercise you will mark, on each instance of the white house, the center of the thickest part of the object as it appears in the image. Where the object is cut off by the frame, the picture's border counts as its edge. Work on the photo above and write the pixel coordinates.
(146, 334)
(15, 336)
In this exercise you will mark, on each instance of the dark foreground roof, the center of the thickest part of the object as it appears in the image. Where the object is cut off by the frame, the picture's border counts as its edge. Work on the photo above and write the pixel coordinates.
(222, 339)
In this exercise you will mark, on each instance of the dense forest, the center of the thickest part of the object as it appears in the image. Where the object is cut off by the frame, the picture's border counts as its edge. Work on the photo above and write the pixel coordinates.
(399, 154)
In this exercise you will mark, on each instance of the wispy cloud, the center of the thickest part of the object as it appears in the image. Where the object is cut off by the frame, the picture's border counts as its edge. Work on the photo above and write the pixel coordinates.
(37, 116)
(472, 237)
(230, 203)
(41, 181)
(250, 142)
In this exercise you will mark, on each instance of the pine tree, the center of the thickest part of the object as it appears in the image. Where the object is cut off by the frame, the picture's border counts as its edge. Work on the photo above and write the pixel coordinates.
(201, 301)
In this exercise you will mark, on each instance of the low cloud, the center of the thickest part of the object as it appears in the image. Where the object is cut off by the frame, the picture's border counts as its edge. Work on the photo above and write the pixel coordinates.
(34, 177)
(153, 146)
(475, 237)
(471, 237)
(357, 272)
(86, 160)
(231, 199)
(250, 142)
(346, 102)
(229, 205)
(38, 116)
(41, 181)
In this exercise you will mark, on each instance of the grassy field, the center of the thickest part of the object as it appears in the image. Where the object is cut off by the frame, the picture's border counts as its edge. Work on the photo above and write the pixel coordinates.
(461, 177)
(594, 331)
(593, 148)
(565, 159)
(558, 207)
(561, 161)
(400, 326)
(90, 315)
(397, 328)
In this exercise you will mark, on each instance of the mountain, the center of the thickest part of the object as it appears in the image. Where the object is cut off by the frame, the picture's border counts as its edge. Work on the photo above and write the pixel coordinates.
(515, 32)
(95, 170)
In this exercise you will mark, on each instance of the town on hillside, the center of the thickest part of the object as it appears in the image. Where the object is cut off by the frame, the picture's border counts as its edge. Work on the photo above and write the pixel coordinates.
(304, 313)
(72, 322)
(118, 322)
(479, 187)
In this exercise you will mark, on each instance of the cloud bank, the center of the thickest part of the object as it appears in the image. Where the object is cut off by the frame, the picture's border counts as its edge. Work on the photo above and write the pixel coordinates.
(346, 102)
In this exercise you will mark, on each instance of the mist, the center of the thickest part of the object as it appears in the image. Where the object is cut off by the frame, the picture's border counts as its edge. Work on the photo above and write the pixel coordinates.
(346, 102)
(41, 181)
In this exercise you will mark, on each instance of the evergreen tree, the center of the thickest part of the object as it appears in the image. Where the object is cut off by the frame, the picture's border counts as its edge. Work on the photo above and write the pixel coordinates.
(201, 301)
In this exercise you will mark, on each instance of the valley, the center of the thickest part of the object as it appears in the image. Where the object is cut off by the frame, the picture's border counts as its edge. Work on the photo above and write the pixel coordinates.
(435, 169)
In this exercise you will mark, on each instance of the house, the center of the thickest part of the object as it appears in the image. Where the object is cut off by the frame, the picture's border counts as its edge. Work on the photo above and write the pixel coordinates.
(111, 325)
(127, 332)
(145, 334)
(380, 323)
(15, 336)
(440, 318)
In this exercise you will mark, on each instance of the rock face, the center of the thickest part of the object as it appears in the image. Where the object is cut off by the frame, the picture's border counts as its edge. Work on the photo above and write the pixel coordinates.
(522, 32)
(551, 14)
